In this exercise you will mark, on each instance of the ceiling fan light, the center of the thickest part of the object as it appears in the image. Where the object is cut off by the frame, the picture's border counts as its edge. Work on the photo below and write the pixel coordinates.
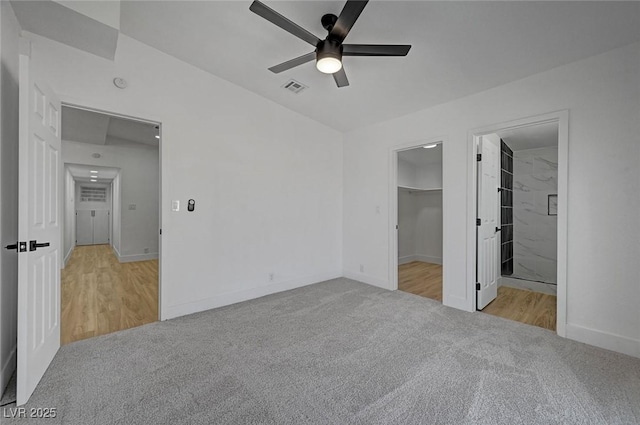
(329, 65)
(329, 57)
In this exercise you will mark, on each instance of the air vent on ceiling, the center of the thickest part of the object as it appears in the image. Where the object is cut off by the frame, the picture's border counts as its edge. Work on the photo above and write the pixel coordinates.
(294, 86)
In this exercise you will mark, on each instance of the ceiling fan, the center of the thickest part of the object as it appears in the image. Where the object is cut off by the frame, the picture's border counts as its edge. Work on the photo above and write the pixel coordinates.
(328, 53)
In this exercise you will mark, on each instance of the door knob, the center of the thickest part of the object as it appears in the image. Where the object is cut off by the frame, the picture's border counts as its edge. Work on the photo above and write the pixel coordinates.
(33, 245)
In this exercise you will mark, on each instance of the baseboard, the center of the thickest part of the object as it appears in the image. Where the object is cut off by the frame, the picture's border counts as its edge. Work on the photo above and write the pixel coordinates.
(365, 278)
(229, 298)
(424, 258)
(7, 370)
(66, 257)
(135, 257)
(609, 341)
(429, 259)
(406, 259)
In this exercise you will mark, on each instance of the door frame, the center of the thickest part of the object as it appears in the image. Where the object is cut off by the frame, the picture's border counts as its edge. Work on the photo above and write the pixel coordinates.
(78, 104)
(393, 204)
(562, 118)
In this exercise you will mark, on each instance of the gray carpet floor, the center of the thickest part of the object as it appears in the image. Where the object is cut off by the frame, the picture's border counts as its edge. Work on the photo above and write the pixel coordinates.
(338, 352)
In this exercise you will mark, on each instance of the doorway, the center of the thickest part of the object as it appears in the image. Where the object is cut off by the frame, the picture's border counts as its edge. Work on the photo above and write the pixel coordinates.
(521, 221)
(110, 279)
(419, 220)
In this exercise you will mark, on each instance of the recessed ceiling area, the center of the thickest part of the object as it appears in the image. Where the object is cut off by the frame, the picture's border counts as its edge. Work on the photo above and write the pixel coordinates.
(79, 125)
(87, 173)
(459, 48)
(531, 137)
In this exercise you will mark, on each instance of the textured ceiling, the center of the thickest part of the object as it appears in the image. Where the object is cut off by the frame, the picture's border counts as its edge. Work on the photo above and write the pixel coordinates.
(459, 48)
(83, 126)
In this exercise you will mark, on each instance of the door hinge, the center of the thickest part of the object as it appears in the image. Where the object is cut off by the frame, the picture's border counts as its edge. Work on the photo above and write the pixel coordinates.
(479, 157)
(160, 231)
(478, 222)
(478, 286)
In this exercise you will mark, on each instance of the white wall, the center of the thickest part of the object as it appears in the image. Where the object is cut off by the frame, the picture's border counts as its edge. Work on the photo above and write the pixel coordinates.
(406, 174)
(69, 230)
(139, 169)
(407, 219)
(267, 181)
(602, 94)
(9, 68)
(419, 213)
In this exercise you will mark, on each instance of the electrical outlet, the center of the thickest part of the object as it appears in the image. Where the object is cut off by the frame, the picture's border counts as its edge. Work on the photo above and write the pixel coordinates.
(361, 268)
(271, 276)
(146, 250)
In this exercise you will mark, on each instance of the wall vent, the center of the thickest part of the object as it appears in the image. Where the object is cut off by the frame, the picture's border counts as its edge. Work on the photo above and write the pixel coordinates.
(93, 194)
(294, 86)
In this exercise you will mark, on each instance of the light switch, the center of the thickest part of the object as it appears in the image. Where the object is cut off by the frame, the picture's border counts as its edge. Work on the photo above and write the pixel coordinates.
(175, 205)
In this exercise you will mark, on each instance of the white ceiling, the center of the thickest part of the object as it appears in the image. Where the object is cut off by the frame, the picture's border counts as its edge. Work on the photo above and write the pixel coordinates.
(421, 156)
(459, 48)
(82, 173)
(83, 126)
(57, 22)
(531, 137)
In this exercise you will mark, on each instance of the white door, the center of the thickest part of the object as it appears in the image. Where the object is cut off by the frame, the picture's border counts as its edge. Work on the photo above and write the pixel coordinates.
(84, 227)
(39, 227)
(488, 213)
(101, 227)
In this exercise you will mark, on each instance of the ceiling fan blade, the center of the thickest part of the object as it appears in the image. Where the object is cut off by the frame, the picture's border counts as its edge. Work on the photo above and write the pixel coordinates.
(274, 17)
(350, 13)
(340, 78)
(375, 49)
(293, 63)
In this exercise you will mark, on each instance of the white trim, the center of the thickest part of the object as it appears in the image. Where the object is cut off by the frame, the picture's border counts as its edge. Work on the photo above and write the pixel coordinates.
(369, 280)
(66, 257)
(8, 368)
(95, 106)
(392, 284)
(609, 341)
(137, 257)
(229, 298)
(562, 118)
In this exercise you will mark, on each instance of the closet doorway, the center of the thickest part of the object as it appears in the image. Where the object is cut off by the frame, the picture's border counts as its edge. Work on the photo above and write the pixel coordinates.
(419, 220)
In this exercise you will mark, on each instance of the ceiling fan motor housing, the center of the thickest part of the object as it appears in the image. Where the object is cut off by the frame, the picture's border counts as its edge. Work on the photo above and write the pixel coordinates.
(328, 21)
(329, 49)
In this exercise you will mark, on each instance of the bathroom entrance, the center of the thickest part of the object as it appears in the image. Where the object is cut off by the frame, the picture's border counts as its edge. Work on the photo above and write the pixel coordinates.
(518, 196)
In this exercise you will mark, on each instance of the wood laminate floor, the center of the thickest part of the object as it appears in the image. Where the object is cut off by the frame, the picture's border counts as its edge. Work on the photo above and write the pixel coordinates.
(532, 308)
(424, 279)
(100, 295)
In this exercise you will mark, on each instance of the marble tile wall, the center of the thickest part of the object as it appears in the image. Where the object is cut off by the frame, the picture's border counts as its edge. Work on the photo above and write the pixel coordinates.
(535, 177)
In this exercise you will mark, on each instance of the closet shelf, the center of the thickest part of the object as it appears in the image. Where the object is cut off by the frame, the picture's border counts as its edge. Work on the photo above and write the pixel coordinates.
(419, 189)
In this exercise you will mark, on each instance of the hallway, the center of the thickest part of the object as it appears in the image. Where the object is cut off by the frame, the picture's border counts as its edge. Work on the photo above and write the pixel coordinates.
(100, 295)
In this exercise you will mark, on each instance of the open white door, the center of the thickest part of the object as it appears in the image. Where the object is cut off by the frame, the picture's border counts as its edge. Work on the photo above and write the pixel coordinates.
(38, 231)
(488, 207)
